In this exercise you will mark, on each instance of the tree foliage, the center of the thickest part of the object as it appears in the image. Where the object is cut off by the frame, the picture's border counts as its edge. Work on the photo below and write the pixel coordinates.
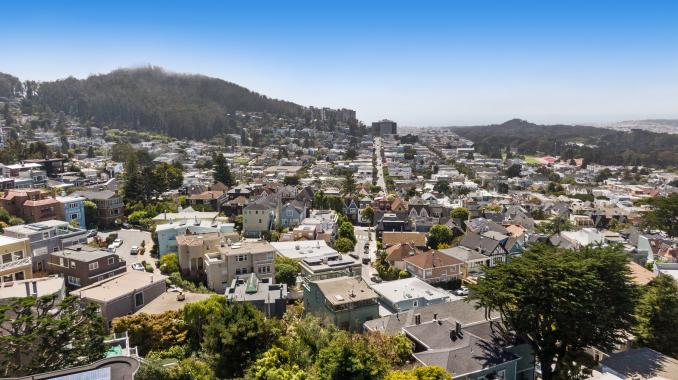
(169, 263)
(420, 373)
(460, 213)
(551, 298)
(45, 334)
(344, 245)
(439, 234)
(664, 214)
(152, 332)
(222, 172)
(656, 314)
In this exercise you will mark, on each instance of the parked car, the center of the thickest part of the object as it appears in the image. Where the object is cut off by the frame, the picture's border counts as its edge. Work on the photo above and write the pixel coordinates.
(376, 279)
(92, 233)
(111, 248)
(117, 243)
(134, 250)
(138, 266)
(463, 291)
(126, 226)
(366, 260)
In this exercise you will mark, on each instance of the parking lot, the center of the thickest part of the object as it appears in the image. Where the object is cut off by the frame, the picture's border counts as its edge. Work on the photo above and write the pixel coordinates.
(131, 238)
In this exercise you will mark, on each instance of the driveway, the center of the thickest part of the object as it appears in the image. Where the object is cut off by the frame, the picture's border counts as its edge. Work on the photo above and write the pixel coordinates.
(131, 238)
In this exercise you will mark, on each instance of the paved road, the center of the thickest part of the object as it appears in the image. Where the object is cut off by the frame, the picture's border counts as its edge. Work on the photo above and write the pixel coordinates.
(380, 164)
(363, 234)
(130, 238)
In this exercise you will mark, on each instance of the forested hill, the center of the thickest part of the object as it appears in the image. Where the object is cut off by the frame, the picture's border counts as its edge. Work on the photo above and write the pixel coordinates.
(595, 145)
(10, 86)
(152, 99)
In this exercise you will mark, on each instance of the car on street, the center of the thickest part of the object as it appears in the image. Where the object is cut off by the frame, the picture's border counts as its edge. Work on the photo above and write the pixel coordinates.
(138, 266)
(126, 226)
(376, 279)
(92, 233)
(117, 243)
(366, 260)
(463, 291)
(134, 250)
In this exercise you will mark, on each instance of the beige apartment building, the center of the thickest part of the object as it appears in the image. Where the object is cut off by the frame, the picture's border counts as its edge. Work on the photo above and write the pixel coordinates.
(239, 259)
(223, 260)
(191, 250)
(15, 259)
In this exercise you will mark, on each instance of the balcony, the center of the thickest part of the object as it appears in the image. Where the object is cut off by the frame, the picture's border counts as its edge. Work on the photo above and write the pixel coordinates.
(16, 264)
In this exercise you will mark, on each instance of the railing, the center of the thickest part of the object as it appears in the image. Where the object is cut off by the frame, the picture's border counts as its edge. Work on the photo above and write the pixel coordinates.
(16, 264)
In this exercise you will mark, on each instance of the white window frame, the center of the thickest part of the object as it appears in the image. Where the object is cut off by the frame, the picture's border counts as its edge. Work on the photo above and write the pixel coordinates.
(94, 265)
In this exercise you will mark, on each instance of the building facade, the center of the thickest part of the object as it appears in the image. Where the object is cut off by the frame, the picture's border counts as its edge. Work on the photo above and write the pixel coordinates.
(45, 237)
(16, 262)
(82, 265)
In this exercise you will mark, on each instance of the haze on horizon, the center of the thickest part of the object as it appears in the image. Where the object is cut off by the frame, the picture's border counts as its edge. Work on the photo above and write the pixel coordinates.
(431, 64)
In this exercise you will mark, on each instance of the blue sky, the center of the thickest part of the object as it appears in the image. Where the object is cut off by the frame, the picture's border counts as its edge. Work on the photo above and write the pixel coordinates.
(419, 62)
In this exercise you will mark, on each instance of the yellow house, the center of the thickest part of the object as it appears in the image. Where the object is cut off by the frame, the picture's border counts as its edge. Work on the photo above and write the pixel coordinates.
(15, 259)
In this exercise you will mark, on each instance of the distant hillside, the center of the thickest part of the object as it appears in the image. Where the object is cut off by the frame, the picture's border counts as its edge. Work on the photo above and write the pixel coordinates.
(652, 125)
(10, 86)
(596, 145)
(151, 99)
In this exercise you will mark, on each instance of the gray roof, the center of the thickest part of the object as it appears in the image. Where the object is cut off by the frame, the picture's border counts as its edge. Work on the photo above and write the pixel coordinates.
(642, 363)
(105, 194)
(464, 312)
(83, 253)
(463, 253)
(475, 355)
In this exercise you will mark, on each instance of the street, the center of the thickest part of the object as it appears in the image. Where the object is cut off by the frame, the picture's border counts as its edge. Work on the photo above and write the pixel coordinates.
(362, 235)
(133, 237)
(380, 164)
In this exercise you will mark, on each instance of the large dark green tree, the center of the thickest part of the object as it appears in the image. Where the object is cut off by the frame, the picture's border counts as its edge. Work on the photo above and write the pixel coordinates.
(664, 215)
(222, 173)
(561, 302)
(45, 334)
(234, 336)
(133, 185)
(656, 314)
(348, 186)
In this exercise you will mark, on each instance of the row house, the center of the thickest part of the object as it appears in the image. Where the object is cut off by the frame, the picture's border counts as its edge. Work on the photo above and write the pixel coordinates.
(15, 260)
(45, 237)
(31, 205)
(82, 265)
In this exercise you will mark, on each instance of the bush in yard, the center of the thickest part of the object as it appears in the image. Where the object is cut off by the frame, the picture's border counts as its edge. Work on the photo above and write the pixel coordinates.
(169, 263)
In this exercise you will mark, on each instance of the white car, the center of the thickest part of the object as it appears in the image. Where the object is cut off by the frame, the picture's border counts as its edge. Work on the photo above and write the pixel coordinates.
(463, 291)
(117, 243)
(138, 266)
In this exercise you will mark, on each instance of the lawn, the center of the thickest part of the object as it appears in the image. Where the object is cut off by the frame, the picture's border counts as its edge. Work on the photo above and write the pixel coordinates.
(531, 159)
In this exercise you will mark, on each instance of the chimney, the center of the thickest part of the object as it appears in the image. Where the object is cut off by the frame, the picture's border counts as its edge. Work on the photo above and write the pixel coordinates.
(435, 316)
(457, 327)
(151, 278)
(417, 319)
